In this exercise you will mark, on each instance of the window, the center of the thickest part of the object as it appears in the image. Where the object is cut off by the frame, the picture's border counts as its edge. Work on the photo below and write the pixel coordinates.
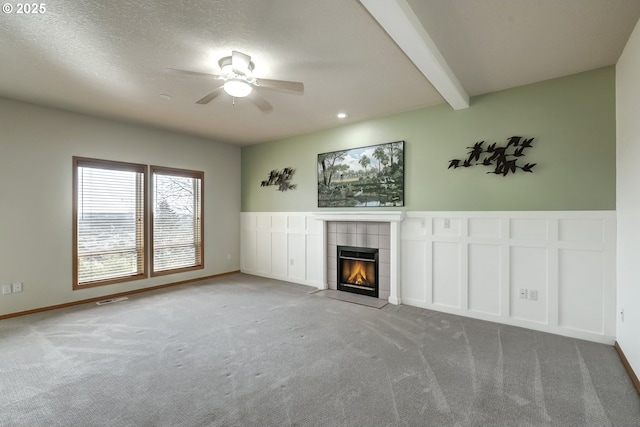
(109, 222)
(177, 228)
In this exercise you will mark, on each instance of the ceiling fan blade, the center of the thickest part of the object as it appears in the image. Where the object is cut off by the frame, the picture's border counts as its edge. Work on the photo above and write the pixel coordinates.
(210, 97)
(259, 100)
(193, 73)
(240, 62)
(281, 84)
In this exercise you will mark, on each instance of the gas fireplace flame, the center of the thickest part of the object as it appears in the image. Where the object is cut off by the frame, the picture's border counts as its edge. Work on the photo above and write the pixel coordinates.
(358, 274)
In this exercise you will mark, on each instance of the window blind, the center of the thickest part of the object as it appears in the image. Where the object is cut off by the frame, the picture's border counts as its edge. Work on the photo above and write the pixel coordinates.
(177, 220)
(109, 206)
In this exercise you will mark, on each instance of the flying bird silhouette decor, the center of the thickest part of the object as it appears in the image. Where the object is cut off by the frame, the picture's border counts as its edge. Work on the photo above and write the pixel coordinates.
(281, 179)
(503, 159)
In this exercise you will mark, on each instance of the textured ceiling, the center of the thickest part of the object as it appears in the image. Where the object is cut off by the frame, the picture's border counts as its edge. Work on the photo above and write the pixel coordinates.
(108, 58)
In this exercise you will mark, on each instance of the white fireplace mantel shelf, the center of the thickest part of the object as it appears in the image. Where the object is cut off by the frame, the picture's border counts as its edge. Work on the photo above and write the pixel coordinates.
(379, 216)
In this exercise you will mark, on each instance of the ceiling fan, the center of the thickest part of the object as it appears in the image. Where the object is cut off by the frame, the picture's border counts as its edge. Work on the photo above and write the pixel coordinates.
(239, 81)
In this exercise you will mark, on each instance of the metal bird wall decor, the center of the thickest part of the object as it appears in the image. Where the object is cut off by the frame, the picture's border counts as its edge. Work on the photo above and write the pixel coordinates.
(503, 160)
(281, 179)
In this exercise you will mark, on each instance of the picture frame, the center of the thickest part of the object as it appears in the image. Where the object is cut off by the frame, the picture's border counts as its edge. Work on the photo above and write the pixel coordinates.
(370, 176)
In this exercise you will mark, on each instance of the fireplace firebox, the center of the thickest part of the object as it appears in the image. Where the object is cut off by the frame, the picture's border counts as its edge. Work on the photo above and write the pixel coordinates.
(358, 270)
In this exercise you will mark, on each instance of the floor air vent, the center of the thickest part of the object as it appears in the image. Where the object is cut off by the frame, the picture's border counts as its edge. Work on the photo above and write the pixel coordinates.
(111, 300)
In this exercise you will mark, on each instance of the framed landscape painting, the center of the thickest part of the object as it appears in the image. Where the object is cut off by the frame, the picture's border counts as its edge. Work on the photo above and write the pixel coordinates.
(370, 176)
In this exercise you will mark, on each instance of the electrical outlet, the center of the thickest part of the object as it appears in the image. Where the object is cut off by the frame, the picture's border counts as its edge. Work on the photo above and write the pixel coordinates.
(291, 261)
(228, 257)
(523, 293)
(533, 294)
(6, 289)
(17, 287)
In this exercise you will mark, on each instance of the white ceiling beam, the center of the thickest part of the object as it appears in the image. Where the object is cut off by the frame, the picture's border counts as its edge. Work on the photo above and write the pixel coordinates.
(401, 23)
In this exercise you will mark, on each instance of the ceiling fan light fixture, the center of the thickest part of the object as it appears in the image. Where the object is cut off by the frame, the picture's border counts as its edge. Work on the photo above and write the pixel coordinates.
(238, 81)
(237, 88)
(227, 69)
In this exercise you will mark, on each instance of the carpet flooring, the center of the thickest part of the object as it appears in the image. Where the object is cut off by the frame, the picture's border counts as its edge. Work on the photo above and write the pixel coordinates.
(246, 351)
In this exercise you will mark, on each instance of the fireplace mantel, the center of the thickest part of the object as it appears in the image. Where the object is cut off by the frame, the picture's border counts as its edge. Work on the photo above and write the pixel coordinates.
(379, 216)
(394, 218)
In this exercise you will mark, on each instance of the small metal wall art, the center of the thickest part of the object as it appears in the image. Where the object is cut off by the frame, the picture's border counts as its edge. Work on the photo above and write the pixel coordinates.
(280, 178)
(503, 159)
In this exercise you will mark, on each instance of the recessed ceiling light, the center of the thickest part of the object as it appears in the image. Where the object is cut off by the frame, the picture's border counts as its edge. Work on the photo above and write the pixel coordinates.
(341, 115)
(165, 96)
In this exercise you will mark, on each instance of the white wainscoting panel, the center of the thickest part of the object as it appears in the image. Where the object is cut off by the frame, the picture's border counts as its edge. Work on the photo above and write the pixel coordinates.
(581, 230)
(314, 249)
(529, 228)
(296, 249)
(279, 253)
(446, 274)
(484, 278)
(484, 227)
(566, 257)
(581, 296)
(529, 270)
(414, 270)
(263, 251)
(283, 245)
(472, 264)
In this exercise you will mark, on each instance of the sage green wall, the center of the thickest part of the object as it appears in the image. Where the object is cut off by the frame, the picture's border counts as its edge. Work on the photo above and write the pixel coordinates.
(572, 119)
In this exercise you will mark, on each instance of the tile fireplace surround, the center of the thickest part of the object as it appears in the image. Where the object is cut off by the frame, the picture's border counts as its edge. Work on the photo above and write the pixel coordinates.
(374, 235)
(377, 230)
